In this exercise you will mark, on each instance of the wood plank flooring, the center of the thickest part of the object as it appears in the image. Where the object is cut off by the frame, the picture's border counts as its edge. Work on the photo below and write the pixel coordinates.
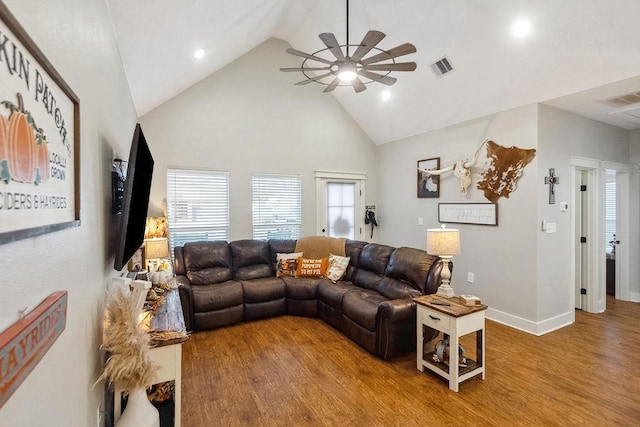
(300, 371)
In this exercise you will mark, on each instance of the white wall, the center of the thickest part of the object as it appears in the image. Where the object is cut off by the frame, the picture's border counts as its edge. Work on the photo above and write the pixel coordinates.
(503, 258)
(249, 117)
(77, 38)
(524, 275)
(562, 135)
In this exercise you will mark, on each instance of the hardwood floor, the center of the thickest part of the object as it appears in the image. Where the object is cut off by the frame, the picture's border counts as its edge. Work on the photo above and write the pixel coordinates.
(300, 371)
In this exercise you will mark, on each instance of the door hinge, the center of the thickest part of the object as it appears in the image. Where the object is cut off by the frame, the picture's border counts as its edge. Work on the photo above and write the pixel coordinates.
(583, 188)
(583, 240)
(583, 291)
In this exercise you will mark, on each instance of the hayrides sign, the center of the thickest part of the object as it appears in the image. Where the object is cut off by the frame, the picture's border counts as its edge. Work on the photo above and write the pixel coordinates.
(39, 141)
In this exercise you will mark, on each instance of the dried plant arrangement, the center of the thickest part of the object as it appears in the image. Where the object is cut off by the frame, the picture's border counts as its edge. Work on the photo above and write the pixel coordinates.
(129, 365)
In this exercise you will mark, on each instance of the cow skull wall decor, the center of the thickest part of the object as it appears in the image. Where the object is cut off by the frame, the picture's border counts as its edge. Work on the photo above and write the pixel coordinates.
(461, 170)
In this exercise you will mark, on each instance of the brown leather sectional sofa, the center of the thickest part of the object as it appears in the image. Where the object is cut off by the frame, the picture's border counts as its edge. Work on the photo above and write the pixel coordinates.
(225, 283)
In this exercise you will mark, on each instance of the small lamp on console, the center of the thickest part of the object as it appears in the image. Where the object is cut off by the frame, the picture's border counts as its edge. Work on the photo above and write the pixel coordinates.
(155, 241)
(444, 242)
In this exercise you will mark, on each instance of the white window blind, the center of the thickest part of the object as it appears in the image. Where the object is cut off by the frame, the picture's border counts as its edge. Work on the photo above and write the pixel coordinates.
(197, 206)
(610, 209)
(277, 206)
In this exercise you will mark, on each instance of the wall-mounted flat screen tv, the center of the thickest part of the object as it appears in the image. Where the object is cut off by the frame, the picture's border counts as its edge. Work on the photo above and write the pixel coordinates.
(135, 202)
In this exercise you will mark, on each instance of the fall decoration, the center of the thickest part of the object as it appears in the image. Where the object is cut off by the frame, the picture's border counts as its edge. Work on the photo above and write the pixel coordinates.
(129, 365)
(4, 149)
(23, 145)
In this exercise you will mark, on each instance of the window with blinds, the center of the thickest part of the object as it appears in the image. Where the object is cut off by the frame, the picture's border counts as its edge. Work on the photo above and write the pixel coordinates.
(277, 206)
(610, 210)
(197, 206)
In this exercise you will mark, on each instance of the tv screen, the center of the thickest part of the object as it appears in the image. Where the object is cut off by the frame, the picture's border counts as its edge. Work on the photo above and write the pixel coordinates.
(136, 199)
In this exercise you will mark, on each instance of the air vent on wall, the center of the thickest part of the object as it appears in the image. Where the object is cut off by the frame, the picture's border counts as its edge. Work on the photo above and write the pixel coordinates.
(442, 66)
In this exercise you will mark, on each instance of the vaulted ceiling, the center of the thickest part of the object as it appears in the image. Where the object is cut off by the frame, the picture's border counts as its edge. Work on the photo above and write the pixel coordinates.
(577, 53)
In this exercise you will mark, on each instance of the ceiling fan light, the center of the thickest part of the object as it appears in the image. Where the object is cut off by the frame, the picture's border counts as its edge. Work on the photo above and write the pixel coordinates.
(347, 75)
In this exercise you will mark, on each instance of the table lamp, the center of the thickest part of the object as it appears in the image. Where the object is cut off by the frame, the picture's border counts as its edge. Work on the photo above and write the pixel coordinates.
(155, 249)
(444, 242)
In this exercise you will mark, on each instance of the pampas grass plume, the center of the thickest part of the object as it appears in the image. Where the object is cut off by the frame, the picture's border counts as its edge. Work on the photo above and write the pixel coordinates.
(129, 365)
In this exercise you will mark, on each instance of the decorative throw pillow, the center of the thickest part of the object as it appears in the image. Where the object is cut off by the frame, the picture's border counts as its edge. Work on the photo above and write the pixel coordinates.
(336, 267)
(311, 267)
(287, 264)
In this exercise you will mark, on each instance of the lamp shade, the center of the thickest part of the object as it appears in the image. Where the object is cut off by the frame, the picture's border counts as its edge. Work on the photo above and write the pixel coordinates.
(156, 248)
(156, 226)
(443, 241)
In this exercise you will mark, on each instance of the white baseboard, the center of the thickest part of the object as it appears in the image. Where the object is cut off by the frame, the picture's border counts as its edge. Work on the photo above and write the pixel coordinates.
(634, 296)
(535, 328)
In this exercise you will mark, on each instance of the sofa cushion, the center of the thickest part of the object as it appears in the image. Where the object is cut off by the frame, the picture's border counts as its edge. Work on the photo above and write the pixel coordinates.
(301, 288)
(362, 307)
(410, 266)
(251, 259)
(265, 289)
(332, 293)
(207, 262)
(371, 265)
(353, 248)
(217, 296)
(281, 246)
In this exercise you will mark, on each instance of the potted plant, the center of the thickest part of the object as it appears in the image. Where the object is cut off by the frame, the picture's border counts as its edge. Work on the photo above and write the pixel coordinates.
(129, 365)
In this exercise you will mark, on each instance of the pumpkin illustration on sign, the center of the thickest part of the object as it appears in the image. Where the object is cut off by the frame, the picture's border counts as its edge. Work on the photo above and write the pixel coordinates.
(24, 156)
(4, 149)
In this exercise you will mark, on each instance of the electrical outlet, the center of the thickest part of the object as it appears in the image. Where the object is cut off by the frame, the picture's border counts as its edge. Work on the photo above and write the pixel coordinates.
(420, 220)
(471, 277)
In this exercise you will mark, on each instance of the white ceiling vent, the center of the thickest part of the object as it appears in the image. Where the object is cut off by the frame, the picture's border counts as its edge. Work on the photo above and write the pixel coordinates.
(442, 66)
(630, 113)
(622, 100)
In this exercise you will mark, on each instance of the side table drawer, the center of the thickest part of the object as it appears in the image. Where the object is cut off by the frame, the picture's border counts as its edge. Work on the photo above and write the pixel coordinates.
(436, 320)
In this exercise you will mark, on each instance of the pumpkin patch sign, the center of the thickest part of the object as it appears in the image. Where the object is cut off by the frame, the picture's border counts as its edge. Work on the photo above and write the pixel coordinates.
(39, 139)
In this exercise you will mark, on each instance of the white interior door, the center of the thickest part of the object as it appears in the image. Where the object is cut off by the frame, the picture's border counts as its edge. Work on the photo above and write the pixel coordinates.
(340, 206)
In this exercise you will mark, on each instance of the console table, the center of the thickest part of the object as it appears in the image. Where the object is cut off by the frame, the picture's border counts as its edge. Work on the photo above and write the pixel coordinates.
(455, 320)
(169, 359)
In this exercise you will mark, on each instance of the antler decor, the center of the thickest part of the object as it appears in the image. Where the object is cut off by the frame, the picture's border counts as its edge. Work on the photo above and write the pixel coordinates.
(461, 170)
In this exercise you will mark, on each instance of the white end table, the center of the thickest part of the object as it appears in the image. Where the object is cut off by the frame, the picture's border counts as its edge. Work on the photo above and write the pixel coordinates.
(454, 319)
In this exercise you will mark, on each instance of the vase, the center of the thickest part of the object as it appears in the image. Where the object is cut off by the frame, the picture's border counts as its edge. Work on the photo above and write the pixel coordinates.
(139, 411)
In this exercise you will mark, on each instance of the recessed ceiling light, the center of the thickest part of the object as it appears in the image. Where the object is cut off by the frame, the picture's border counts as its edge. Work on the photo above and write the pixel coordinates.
(198, 54)
(385, 95)
(521, 28)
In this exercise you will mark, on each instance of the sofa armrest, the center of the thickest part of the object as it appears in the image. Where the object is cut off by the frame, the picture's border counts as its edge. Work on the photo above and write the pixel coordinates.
(186, 300)
(396, 327)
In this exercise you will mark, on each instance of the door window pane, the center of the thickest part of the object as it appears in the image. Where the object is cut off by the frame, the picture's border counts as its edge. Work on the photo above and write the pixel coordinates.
(341, 209)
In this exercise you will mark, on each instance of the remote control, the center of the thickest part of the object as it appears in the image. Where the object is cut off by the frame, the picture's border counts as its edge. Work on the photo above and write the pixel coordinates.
(440, 303)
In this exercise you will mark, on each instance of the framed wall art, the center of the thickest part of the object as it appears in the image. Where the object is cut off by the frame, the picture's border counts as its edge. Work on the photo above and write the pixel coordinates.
(39, 140)
(428, 185)
(468, 213)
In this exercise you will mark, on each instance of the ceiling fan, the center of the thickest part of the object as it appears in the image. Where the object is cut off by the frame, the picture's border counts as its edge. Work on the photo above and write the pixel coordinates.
(351, 68)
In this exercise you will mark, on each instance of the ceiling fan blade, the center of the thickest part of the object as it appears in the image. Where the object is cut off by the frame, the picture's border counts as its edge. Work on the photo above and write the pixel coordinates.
(330, 40)
(305, 69)
(398, 66)
(370, 40)
(308, 56)
(313, 79)
(378, 78)
(357, 84)
(403, 49)
(332, 85)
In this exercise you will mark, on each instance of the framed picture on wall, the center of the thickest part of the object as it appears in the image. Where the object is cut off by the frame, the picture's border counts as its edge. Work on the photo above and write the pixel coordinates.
(428, 185)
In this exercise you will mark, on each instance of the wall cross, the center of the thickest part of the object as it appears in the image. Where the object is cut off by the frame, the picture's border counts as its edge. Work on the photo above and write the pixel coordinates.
(552, 180)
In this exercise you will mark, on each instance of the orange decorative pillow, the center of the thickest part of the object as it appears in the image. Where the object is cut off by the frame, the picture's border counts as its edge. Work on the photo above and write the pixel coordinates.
(311, 267)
